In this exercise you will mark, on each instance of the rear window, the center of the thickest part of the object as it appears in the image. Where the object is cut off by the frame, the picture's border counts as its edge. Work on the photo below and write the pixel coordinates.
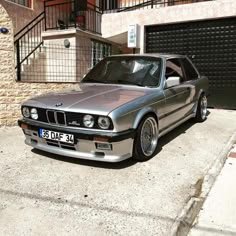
(190, 71)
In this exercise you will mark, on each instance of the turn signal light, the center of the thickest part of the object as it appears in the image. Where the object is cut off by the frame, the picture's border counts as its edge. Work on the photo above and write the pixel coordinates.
(100, 139)
(24, 126)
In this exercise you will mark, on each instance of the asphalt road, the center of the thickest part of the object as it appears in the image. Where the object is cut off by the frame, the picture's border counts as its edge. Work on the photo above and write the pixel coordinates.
(44, 194)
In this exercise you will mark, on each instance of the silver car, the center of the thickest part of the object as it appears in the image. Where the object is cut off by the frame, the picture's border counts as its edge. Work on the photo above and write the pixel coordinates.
(121, 109)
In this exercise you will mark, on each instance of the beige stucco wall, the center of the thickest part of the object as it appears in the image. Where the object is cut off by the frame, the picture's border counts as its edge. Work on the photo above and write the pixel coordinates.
(117, 23)
(21, 15)
(13, 93)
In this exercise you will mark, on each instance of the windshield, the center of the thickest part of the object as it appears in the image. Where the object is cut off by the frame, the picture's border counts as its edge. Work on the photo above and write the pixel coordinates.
(133, 70)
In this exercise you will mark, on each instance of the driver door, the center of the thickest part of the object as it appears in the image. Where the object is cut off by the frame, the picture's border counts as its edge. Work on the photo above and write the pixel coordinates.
(176, 96)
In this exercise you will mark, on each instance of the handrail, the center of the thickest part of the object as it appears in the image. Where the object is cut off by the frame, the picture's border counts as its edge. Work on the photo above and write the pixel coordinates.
(144, 4)
(32, 21)
(141, 4)
(28, 40)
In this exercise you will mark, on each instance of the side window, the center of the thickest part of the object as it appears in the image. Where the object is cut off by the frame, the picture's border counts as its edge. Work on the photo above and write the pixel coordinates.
(190, 72)
(173, 68)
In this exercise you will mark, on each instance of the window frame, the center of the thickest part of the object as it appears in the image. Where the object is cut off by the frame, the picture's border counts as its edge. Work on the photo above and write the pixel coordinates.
(178, 59)
(29, 4)
(99, 51)
(184, 70)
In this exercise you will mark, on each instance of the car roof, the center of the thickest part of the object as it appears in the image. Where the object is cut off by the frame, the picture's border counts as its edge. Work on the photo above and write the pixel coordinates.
(159, 55)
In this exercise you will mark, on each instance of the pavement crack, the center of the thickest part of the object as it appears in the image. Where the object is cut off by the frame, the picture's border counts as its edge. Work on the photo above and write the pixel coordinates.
(85, 205)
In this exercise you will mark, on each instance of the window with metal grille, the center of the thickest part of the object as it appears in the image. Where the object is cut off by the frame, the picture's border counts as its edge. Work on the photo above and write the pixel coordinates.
(25, 3)
(99, 51)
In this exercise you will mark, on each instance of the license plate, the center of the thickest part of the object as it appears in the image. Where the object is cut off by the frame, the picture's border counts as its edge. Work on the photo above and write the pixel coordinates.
(57, 136)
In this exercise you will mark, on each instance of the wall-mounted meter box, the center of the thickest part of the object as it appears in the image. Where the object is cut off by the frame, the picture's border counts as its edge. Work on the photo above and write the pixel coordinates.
(133, 36)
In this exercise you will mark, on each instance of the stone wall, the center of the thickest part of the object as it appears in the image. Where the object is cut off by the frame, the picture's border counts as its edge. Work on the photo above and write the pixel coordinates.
(13, 93)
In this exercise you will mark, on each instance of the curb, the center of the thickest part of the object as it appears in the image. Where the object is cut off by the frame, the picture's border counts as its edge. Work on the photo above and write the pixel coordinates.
(184, 221)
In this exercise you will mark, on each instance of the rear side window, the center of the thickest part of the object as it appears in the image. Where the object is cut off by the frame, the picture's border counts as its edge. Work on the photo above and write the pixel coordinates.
(173, 68)
(190, 72)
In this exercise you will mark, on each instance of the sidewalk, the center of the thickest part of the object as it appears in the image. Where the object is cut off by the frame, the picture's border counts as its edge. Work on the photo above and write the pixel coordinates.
(218, 214)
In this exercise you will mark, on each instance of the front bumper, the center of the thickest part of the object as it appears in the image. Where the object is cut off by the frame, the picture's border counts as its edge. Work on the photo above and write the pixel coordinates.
(85, 146)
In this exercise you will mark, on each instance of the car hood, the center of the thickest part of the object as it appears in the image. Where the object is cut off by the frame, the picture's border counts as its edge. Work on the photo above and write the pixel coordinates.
(90, 98)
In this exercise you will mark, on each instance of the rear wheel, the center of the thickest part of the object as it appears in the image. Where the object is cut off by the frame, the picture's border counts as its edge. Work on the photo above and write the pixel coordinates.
(146, 138)
(201, 114)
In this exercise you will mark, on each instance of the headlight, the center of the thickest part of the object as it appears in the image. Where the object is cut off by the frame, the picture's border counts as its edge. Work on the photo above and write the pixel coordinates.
(34, 113)
(103, 122)
(88, 121)
(25, 112)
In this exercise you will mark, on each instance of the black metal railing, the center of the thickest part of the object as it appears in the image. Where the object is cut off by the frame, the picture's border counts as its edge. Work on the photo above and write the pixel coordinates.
(55, 16)
(27, 41)
(63, 64)
(72, 14)
(111, 6)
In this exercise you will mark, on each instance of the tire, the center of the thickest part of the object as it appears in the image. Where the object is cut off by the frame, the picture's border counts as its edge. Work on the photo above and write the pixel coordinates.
(201, 114)
(146, 139)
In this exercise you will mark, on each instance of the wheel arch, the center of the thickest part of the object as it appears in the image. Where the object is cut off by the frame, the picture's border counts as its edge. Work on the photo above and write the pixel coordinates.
(143, 113)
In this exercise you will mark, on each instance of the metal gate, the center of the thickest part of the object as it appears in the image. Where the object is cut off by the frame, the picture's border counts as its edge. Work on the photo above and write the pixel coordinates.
(212, 47)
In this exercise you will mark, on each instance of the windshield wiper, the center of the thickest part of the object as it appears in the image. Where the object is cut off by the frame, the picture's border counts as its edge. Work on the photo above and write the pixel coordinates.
(93, 81)
(130, 83)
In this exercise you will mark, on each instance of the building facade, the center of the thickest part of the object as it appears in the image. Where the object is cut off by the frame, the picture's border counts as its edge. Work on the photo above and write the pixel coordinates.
(61, 40)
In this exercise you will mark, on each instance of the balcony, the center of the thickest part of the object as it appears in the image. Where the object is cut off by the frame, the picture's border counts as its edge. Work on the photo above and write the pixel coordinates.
(64, 14)
(112, 6)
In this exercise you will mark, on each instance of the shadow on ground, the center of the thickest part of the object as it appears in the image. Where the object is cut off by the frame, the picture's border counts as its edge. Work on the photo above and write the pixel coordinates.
(126, 163)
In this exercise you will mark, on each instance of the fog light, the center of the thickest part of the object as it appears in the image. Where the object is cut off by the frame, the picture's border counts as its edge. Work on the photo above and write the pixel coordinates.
(33, 141)
(104, 146)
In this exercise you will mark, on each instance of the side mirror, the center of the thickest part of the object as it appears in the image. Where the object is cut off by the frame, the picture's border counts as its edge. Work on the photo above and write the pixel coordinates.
(172, 81)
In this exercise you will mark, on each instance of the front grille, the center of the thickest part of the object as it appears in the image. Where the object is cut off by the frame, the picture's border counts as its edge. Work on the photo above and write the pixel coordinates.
(56, 117)
(74, 119)
(42, 115)
(51, 117)
(61, 118)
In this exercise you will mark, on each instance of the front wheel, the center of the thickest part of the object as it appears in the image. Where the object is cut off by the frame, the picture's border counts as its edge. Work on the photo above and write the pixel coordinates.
(146, 138)
(201, 114)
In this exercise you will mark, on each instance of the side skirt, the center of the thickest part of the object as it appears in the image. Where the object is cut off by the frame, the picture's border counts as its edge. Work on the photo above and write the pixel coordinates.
(165, 131)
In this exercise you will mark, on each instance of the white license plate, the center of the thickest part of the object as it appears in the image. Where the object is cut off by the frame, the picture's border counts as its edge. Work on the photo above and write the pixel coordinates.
(58, 136)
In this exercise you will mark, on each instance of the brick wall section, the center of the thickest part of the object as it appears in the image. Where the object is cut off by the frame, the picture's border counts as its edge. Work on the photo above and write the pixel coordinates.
(13, 93)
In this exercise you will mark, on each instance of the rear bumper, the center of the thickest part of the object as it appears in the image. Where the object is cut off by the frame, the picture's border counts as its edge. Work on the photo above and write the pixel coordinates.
(85, 146)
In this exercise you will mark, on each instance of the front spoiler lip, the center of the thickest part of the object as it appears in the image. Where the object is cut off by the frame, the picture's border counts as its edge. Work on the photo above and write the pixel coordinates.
(79, 155)
(89, 135)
